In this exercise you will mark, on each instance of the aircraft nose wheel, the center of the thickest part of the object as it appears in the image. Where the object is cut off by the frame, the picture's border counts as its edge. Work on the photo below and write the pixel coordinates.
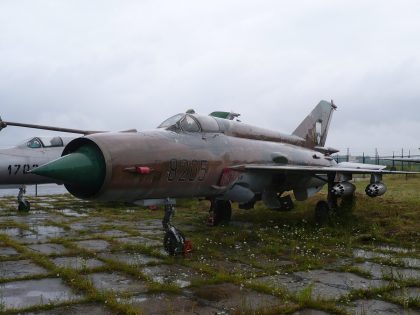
(23, 204)
(174, 242)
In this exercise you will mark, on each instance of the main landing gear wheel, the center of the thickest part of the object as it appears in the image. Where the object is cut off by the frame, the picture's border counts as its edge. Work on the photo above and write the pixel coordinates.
(348, 203)
(220, 212)
(322, 212)
(174, 241)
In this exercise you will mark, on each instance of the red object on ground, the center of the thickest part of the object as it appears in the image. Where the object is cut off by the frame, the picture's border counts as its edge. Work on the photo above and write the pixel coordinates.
(187, 247)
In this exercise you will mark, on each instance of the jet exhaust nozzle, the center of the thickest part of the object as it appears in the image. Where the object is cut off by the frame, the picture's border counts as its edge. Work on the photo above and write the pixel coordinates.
(375, 189)
(343, 189)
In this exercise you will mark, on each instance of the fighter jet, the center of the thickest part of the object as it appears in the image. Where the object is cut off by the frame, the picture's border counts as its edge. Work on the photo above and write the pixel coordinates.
(16, 162)
(222, 160)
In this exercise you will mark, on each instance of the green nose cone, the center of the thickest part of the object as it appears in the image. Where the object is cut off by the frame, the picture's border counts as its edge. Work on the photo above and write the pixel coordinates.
(84, 168)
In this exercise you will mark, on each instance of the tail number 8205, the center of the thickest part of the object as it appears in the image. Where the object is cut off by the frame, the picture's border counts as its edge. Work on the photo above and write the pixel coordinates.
(185, 170)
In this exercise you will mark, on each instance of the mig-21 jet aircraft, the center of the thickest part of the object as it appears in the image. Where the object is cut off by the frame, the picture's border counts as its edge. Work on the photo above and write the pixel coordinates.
(222, 160)
(16, 163)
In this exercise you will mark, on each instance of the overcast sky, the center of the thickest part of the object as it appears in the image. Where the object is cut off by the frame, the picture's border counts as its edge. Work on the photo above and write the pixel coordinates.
(116, 65)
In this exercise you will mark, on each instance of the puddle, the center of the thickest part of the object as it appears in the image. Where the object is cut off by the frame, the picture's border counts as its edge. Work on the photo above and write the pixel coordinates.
(367, 254)
(169, 304)
(11, 232)
(178, 275)
(234, 299)
(42, 233)
(36, 211)
(139, 240)
(76, 309)
(20, 268)
(326, 284)
(394, 249)
(134, 259)
(8, 251)
(94, 245)
(361, 307)
(380, 271)
(22, 294)
(117, 282)
(48, 248)
(48, 230)
(71, 213)
(77, 263)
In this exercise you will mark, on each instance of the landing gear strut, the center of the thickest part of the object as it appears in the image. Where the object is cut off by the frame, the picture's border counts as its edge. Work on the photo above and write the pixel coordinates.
(174, 241)
(23, 204)
(324, 209)
(220, 212)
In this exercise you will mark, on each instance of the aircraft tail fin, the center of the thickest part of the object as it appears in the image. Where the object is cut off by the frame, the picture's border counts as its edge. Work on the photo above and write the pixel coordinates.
(314, 128)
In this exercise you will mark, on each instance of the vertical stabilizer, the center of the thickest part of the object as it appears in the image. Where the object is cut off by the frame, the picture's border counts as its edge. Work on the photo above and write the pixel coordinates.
(314, 128)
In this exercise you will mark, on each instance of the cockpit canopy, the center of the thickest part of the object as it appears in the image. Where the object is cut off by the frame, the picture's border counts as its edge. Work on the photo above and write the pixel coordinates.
(191, 123)
(43, 142)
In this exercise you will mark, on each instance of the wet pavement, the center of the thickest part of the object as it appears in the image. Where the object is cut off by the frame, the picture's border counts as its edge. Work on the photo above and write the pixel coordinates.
(43, 252)
(22, 294)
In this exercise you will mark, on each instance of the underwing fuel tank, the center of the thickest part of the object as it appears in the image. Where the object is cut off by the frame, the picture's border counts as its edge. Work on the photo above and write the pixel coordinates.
(375, 189)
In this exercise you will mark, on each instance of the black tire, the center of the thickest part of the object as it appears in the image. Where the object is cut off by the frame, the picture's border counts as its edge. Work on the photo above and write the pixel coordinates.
(348, 203)
(322, 212)
(221, 211)
(171, 245)
(24, 206)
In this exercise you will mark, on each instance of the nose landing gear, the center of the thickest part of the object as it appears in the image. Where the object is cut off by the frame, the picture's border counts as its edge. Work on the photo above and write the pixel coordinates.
(23, 204)
(174, 241)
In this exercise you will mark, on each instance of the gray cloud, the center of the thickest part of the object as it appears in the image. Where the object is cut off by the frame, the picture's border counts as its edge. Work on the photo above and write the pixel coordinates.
(117, 65)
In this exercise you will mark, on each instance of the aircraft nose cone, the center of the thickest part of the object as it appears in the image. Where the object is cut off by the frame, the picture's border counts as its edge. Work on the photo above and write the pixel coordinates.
(84, 168)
